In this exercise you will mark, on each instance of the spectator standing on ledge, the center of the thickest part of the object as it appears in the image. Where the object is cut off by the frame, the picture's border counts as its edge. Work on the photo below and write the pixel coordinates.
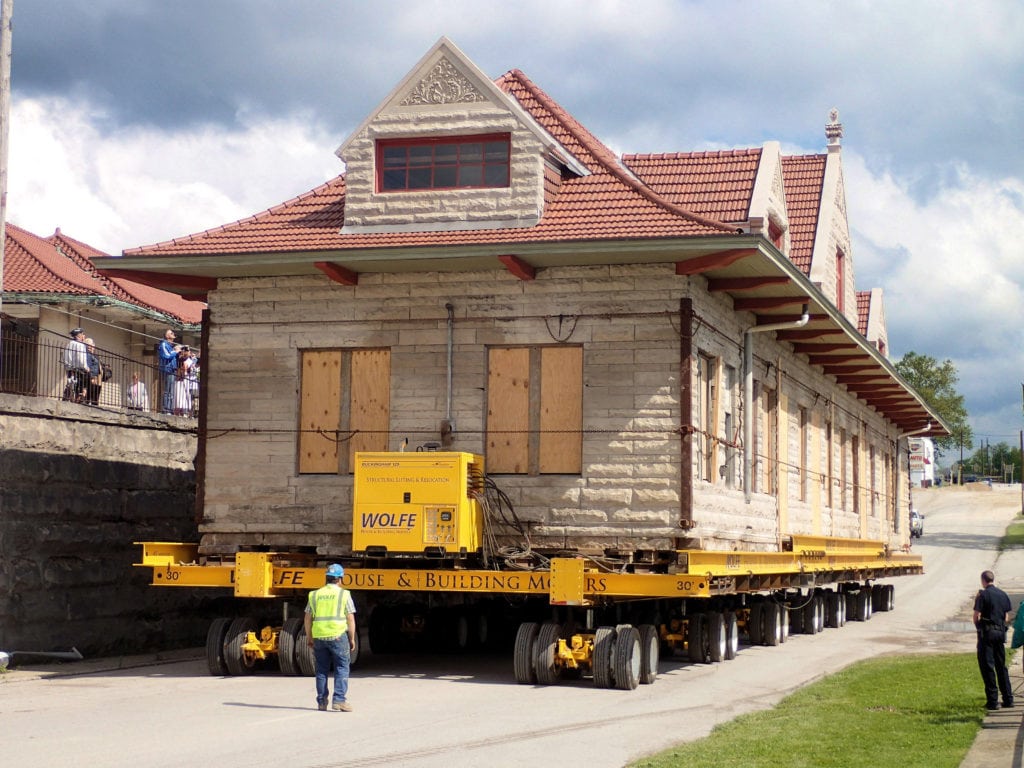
(76, 363)
(95, 374)
(138, 398)
(330, 623)
(168, 371)
(991, 613)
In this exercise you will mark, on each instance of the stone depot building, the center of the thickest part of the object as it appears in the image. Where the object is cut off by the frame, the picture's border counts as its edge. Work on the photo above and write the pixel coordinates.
(651, 351)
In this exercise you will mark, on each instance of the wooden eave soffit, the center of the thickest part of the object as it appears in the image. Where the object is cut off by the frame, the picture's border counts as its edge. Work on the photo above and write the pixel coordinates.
(192, 286)
(772, 319)
(767, 302)
(737, 284)
(337, 273)
(810, 349)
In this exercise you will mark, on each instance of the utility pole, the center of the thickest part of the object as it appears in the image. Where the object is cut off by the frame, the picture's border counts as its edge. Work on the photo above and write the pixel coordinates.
(6, 9)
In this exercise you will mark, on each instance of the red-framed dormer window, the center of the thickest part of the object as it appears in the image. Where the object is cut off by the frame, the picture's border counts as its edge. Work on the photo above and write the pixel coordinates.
(459, 162)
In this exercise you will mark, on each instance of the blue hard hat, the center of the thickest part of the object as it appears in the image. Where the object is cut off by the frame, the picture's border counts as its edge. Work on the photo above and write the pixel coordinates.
(336, 571)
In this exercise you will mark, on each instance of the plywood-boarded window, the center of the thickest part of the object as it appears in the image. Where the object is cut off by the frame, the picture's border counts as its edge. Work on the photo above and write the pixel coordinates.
(535, 410)
(344, 407)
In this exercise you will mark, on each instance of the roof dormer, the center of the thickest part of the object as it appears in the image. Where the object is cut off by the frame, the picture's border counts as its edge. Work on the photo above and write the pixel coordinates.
(446, 150)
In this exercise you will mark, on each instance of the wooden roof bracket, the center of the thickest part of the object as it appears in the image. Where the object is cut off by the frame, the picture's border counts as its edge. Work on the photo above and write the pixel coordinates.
(337, 273)
(518, 267)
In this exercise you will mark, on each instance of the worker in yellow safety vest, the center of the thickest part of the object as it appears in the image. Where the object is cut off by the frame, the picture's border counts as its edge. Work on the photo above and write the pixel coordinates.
(330, 623)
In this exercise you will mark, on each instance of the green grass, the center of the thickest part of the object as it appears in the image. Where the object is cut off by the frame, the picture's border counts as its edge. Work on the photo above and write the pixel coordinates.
(1014, 536)
(907, 711)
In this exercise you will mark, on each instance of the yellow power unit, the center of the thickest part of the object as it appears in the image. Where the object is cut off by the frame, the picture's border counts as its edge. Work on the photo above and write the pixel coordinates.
(419, 503)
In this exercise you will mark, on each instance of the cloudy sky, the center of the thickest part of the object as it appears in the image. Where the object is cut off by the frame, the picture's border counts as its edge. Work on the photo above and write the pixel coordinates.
(134, 121)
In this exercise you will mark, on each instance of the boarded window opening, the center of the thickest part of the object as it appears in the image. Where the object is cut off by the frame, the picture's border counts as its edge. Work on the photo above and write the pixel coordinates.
(342, 393)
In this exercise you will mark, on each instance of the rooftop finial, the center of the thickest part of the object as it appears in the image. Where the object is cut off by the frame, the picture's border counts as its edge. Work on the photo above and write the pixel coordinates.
(833, 129)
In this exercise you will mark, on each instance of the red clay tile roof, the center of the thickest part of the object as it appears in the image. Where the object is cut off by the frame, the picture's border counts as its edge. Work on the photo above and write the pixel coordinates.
(33, 265)
(61, 265)
(608, 204)
(863, 309)
(129, 291)
(803, 176)
(716, 184)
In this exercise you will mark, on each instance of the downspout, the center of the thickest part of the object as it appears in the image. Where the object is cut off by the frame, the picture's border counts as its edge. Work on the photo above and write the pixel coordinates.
(748, 391)
(449, 426)
(910, 488)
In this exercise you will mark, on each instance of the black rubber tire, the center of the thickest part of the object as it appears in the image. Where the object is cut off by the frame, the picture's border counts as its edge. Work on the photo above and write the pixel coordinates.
(832, 609)
(843, 608)
(286, 644)
(810, 617)
(863, 605)
(851, 606)
(234, 656)
(650, 653)
(604, 651)
(755, 629)
(304, 654)
(784, 617)
(732, 635)
(796, 615)
(771, 619)
(524, 654)
(696, 638)
(890, 597)
(215, 637)
(877, 595)
(546, 664)
(627, 661)
(716, 636)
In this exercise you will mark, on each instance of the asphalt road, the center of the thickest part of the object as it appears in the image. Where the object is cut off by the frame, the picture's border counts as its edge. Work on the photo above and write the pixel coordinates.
(448, 711)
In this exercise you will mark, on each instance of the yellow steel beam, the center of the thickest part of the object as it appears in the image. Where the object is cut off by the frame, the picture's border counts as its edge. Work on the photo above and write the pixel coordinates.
(571, 581)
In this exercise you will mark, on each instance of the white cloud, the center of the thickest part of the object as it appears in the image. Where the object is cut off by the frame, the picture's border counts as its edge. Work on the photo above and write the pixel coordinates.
(141, 185)
(953, 277)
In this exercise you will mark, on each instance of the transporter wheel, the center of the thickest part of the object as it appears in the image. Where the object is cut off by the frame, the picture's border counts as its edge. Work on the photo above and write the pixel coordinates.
(832, 602)
(304, 654)
(863, 605)
(627, 658)
(877, 591)
(783, 622)
(890, 597)
(383, 629)
(754, 624)
(604, 651)
(215, 637)
(716, 636)
(811, 615)
(771, 620)
(732, 635)
(523, 655)
(843, 606)
(546, 662)
(650, 653)
(286, 646)
(238, 661)
(796, 615)
(696, 638)
(850, 598)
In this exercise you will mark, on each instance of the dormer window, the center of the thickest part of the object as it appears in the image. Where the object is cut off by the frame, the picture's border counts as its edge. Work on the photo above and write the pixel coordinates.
(459, 162)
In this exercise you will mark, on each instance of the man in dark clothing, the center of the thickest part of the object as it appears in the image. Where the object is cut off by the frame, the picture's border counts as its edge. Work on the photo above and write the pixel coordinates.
(991, 613)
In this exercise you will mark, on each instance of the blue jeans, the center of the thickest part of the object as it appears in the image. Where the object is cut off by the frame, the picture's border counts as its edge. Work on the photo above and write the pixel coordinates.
(328, 653)
(167, 401)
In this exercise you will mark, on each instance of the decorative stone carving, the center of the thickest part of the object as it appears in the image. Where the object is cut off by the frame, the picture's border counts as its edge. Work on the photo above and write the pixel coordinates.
(833, 129)
(443, 85)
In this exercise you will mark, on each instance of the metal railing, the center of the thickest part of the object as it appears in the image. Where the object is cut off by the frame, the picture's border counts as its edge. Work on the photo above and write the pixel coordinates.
(33, 366)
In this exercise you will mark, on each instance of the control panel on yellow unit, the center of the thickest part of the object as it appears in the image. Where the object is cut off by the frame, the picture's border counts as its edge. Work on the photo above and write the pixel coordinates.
(418, 503)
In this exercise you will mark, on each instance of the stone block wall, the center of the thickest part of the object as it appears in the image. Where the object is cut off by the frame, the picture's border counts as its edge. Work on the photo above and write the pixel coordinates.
(626, 318)
(78, 486)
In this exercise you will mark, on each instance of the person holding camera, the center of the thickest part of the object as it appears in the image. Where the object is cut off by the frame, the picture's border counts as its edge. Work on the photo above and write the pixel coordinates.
(183, 382)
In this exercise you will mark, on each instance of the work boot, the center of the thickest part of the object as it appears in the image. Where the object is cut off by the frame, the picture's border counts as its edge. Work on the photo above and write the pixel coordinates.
(342, 706)
(322, 705)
